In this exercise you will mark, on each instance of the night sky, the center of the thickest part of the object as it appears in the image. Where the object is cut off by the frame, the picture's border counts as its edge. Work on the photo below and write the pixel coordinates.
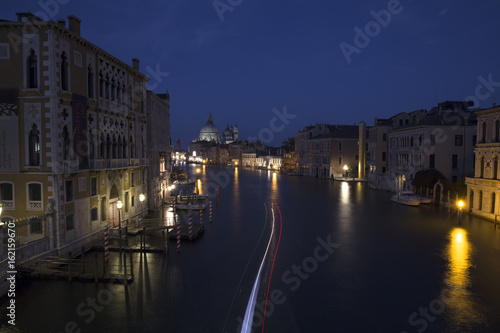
(248, 57)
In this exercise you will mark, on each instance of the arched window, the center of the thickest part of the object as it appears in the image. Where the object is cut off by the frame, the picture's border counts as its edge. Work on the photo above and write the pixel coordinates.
(483, 132)
(34, 146)
(32, 70)
(482, 168)
(493, 201)
(113, 87)
(91, 145)
(120, 147)
(34, 196)
(90, 81)
(115, 147)
(495, 168)
(107, 88)
(64, 71)
(497, 130)
(101, 85)
(108, 147)
(66, 143)
(102, 144)
(125, 155)
(7, 195)
(132, 150)
(480, 200)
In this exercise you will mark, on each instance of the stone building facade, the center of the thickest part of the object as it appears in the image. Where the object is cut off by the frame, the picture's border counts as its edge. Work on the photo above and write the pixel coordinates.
(73, 131)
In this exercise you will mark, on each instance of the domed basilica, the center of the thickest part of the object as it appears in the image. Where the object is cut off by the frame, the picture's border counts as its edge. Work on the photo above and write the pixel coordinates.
(210, 132)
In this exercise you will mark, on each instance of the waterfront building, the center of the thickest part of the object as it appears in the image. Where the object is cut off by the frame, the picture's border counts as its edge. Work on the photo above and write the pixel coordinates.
(289, 162)
(443, 140)
(73, 133)
(378, 149)
(159, 148)
(323, 150)
(482, 188)
(249, 158)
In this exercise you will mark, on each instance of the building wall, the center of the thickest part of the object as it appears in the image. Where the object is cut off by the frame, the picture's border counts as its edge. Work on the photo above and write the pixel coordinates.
(482, 189)
(71, 121)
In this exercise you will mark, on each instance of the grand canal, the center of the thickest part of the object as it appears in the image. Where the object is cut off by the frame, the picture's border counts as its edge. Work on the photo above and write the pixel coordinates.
(343, 258)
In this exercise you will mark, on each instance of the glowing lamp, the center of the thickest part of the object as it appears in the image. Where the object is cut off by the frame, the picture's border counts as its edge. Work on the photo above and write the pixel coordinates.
(141, 197)
(119, 204)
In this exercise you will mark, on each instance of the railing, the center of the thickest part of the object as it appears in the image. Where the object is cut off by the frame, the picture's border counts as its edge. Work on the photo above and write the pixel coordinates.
(71, 166)
(116, 163)
(35, 205)
(119, 163)
(8, 204)
(134, 162)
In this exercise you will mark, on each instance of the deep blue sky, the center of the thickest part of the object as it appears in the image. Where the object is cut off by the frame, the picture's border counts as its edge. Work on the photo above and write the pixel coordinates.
(276, 54)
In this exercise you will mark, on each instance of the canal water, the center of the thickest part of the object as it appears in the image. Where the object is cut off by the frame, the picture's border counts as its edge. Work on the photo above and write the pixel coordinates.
(341, 258)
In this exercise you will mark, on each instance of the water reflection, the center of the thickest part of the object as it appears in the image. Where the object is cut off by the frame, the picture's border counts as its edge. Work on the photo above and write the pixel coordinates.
(344, 193)
(274, 186)
(198, 186)
(456, 295)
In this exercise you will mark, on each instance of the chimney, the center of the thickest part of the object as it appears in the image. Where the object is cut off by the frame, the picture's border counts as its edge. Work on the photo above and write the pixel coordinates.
(62, 23)
(27, 17)
(135, 64)
(74, 24)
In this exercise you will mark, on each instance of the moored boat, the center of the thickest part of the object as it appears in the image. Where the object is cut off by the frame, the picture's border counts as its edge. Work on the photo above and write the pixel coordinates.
(405, 198)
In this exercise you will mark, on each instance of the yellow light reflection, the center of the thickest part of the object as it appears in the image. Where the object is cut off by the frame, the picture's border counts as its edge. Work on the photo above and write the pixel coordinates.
(274, 187)
(344, 193)
(198, 185)
(455, 294)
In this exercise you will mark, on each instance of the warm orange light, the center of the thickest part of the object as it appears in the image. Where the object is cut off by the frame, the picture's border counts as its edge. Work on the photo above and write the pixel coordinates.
(460, 204)
(198, 170)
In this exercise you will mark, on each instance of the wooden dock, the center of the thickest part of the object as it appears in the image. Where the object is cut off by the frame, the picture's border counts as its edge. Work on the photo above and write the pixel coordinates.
(197, 231)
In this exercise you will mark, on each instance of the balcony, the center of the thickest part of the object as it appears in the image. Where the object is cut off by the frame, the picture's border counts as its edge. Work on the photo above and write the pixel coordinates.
(145, 161)
(117, 163)
(70, 166)
(8, 204)
(135, 161)
(35, 205)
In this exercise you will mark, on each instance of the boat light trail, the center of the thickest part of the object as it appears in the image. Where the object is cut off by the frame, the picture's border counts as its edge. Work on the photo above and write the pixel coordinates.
(248, 264)
(247, 321)
(272, 267)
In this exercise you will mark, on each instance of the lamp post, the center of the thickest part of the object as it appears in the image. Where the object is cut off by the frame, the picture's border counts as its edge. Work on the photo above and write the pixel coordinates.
(460, 205)
(119, 205)
(141, 199)
(345, 170)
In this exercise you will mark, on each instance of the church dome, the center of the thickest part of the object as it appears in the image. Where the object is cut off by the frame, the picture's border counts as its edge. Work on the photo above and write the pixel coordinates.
(209, 132)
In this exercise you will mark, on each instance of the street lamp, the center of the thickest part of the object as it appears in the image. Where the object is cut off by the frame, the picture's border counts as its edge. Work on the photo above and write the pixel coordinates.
(460, 205)
(119, 205)
(141, 199)
(345, 170)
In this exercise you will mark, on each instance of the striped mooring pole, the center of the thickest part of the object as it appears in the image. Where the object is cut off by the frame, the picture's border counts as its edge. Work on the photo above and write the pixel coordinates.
(210, 212)
(201, 215)
(190, 225)
(106, 244)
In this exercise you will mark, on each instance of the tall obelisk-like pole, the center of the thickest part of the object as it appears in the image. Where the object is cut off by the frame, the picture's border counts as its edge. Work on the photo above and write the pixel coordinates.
(362, 150)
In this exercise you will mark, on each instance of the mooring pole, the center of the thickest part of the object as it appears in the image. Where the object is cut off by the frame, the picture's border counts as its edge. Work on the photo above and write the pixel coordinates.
(96, 269)
(69, 267)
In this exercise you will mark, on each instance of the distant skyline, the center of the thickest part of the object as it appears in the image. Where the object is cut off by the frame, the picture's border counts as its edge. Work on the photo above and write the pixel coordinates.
(337, 62)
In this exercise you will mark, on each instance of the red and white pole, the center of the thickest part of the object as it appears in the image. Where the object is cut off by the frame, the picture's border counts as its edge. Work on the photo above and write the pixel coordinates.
(106, 244)
(201, 214)
(178, 236)
(210, 212)
(190, 226)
